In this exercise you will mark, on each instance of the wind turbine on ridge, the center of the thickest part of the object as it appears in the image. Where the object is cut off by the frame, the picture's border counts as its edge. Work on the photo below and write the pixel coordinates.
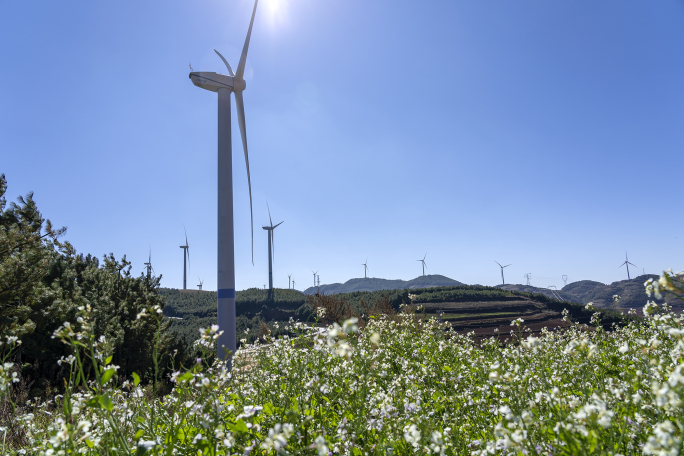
(289, 276)
(186, 258)
(627, 263)
(200, 283)
(424, 265)
(502, 274)
(225, 85)
(365, 269)
(271, 251)
(314, 274)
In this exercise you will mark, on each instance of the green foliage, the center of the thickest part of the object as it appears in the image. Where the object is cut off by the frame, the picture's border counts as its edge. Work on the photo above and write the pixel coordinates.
(28, 246)
(43, 283)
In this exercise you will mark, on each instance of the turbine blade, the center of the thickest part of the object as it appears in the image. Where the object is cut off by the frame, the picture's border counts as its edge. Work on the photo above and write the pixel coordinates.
(243, 57)
(498, 263)
(507, 265)
(633, 264)
(278, 224)
(269, 214)
(230, 70)
(243, 133)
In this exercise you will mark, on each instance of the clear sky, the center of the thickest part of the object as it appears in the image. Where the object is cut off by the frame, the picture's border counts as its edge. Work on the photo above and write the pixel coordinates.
(546, 134)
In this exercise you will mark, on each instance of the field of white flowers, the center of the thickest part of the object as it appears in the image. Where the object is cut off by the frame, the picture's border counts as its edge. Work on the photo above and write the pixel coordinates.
(389, 385)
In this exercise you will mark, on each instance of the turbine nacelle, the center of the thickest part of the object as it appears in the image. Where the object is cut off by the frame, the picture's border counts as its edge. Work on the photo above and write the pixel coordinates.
(212, 81)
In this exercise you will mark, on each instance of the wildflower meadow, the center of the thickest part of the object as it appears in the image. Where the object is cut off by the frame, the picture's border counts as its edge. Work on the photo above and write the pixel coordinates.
(379, 385)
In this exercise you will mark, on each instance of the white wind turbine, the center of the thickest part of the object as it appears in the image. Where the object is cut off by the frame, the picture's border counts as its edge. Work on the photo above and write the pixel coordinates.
(225, 85)
(271, 250)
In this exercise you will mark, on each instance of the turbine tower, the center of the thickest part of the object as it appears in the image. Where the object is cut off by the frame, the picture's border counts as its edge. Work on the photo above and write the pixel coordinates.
(627, 263)
(293, 284)
(200, 284)
(289, 276)
(503, 282)
(314, 274)
(186, 258)
(226, 85)
(365, 269)
(424, 265)
(271, 251)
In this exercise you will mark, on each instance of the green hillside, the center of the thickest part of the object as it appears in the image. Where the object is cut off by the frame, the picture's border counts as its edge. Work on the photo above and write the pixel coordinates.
(194, 309)
(468, 307)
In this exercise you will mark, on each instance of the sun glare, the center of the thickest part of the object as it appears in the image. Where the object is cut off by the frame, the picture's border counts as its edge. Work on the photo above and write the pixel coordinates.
(276, 11)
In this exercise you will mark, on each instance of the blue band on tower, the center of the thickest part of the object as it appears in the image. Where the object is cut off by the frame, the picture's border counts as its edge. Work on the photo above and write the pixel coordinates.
(226, 293)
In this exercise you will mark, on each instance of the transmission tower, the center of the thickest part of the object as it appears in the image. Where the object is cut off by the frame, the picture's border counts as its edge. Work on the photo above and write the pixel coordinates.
(528, 276)
(565, 280)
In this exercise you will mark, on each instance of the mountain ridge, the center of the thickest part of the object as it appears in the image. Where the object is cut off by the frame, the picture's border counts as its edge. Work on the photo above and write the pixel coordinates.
(376, 284)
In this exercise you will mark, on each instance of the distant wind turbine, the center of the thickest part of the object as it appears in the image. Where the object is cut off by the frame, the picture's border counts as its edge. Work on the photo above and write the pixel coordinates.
(186, 259)
(502, 274)
(200, 283)
(289, 276)
(225, 86)
(293, 284)
(148, 265)
(314, 274)
(271, 251)
(627, 263)
(423, 261)
(365, 269)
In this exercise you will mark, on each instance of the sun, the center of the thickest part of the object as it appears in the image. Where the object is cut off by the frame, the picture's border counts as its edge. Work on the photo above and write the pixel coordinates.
(276, 11)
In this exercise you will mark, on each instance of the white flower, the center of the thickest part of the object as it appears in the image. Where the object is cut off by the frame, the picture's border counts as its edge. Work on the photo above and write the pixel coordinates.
(321, 447)
(412, 435)
(350, 326)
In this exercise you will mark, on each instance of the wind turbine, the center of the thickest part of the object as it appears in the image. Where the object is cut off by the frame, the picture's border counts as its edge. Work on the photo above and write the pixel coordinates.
(226, 85)
(627, 263)
(502, 274)
(271, 251)
(293, 284)
(314, 274)
(186, 258)
(423, 261)
(200, 284)
(365, 269)
(148, 265)
(289, 276)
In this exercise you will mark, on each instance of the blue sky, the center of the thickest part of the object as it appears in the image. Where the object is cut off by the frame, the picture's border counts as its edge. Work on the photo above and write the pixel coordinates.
(544, 134)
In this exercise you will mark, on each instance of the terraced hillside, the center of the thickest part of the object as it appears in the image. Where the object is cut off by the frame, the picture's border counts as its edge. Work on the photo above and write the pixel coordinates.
(488, 310)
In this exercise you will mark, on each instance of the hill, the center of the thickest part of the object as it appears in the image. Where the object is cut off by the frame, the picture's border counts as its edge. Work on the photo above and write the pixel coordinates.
(544, 291)
(631, 292)
(194, 309)
(484, 310)
(374, 284)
